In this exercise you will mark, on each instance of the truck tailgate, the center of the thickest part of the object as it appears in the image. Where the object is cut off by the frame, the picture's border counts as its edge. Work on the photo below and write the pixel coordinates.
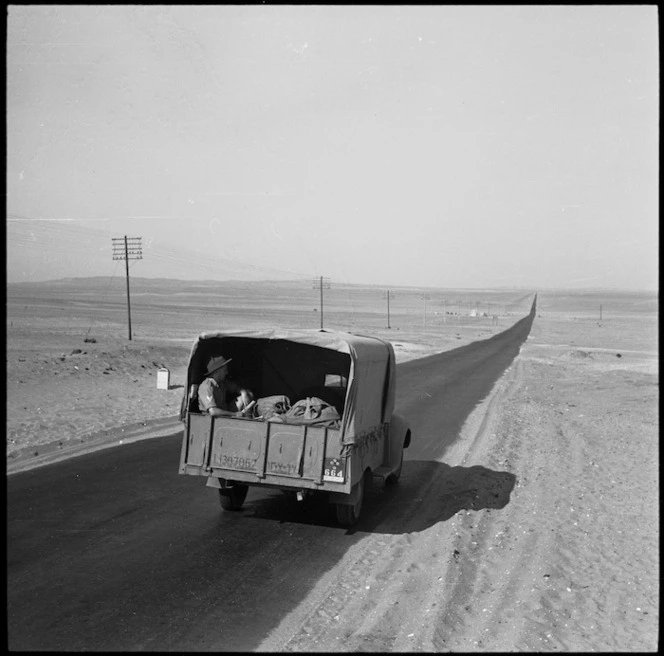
(268, 452)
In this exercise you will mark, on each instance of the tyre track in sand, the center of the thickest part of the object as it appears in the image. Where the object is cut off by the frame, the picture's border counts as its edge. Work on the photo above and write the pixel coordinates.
(493, 555)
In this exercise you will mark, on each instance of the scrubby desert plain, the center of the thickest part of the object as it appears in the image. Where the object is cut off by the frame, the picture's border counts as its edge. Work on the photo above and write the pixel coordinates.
(570, 563)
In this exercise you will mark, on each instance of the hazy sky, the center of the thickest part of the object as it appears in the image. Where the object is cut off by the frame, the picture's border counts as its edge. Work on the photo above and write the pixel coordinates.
(429, 146)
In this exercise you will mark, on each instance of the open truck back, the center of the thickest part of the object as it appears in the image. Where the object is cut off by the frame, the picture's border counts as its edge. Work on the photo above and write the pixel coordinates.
(334, 452)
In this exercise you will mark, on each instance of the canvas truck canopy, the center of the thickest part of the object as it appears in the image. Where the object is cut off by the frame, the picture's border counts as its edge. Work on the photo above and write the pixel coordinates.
(300, 363)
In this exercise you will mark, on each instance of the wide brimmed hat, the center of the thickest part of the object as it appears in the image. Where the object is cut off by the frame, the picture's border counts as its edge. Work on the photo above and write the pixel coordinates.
(216, 363)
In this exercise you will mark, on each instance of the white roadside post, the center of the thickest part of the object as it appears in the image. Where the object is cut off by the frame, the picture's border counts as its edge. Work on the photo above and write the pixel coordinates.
(163, 379)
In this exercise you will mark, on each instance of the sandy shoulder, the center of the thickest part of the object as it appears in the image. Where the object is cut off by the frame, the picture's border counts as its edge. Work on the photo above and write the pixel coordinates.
(67, 393)
(572, 562)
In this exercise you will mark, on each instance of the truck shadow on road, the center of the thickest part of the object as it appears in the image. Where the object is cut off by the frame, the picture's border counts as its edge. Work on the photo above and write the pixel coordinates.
(428, 493)
(433, 492)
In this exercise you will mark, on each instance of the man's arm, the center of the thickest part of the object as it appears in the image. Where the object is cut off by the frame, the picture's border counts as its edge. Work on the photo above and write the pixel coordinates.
(207, 401)
(218, 412)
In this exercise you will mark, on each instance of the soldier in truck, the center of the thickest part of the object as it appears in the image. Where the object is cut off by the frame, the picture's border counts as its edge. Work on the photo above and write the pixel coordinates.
(220, 396)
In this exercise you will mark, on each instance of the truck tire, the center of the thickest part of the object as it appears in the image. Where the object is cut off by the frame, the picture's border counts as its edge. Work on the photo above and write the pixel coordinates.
(232, 498)
(393, 478)
(348, 515)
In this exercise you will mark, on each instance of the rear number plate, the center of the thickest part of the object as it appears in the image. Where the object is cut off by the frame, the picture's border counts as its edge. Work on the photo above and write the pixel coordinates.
(334, 470)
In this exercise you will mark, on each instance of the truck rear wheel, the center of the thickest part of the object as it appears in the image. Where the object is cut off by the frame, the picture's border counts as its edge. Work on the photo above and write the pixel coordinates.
(232, 498)
(348, 515)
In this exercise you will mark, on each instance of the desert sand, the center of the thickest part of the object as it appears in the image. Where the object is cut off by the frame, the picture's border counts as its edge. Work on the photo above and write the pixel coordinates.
(570, 562)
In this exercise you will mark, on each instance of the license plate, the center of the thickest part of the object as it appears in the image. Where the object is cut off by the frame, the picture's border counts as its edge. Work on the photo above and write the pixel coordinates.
(333, 471)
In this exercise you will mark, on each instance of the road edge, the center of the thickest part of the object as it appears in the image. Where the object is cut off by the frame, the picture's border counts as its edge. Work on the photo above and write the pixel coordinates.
(117, 436)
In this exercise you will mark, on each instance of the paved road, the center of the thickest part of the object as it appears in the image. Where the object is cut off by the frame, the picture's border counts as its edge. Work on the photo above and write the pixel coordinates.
(116, 551)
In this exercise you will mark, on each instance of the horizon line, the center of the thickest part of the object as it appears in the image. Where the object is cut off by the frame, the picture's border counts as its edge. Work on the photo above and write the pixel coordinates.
(533, 289)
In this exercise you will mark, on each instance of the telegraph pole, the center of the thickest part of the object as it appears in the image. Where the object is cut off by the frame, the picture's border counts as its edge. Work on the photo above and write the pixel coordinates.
(387, 295)
(323, 283)
(125, 249)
